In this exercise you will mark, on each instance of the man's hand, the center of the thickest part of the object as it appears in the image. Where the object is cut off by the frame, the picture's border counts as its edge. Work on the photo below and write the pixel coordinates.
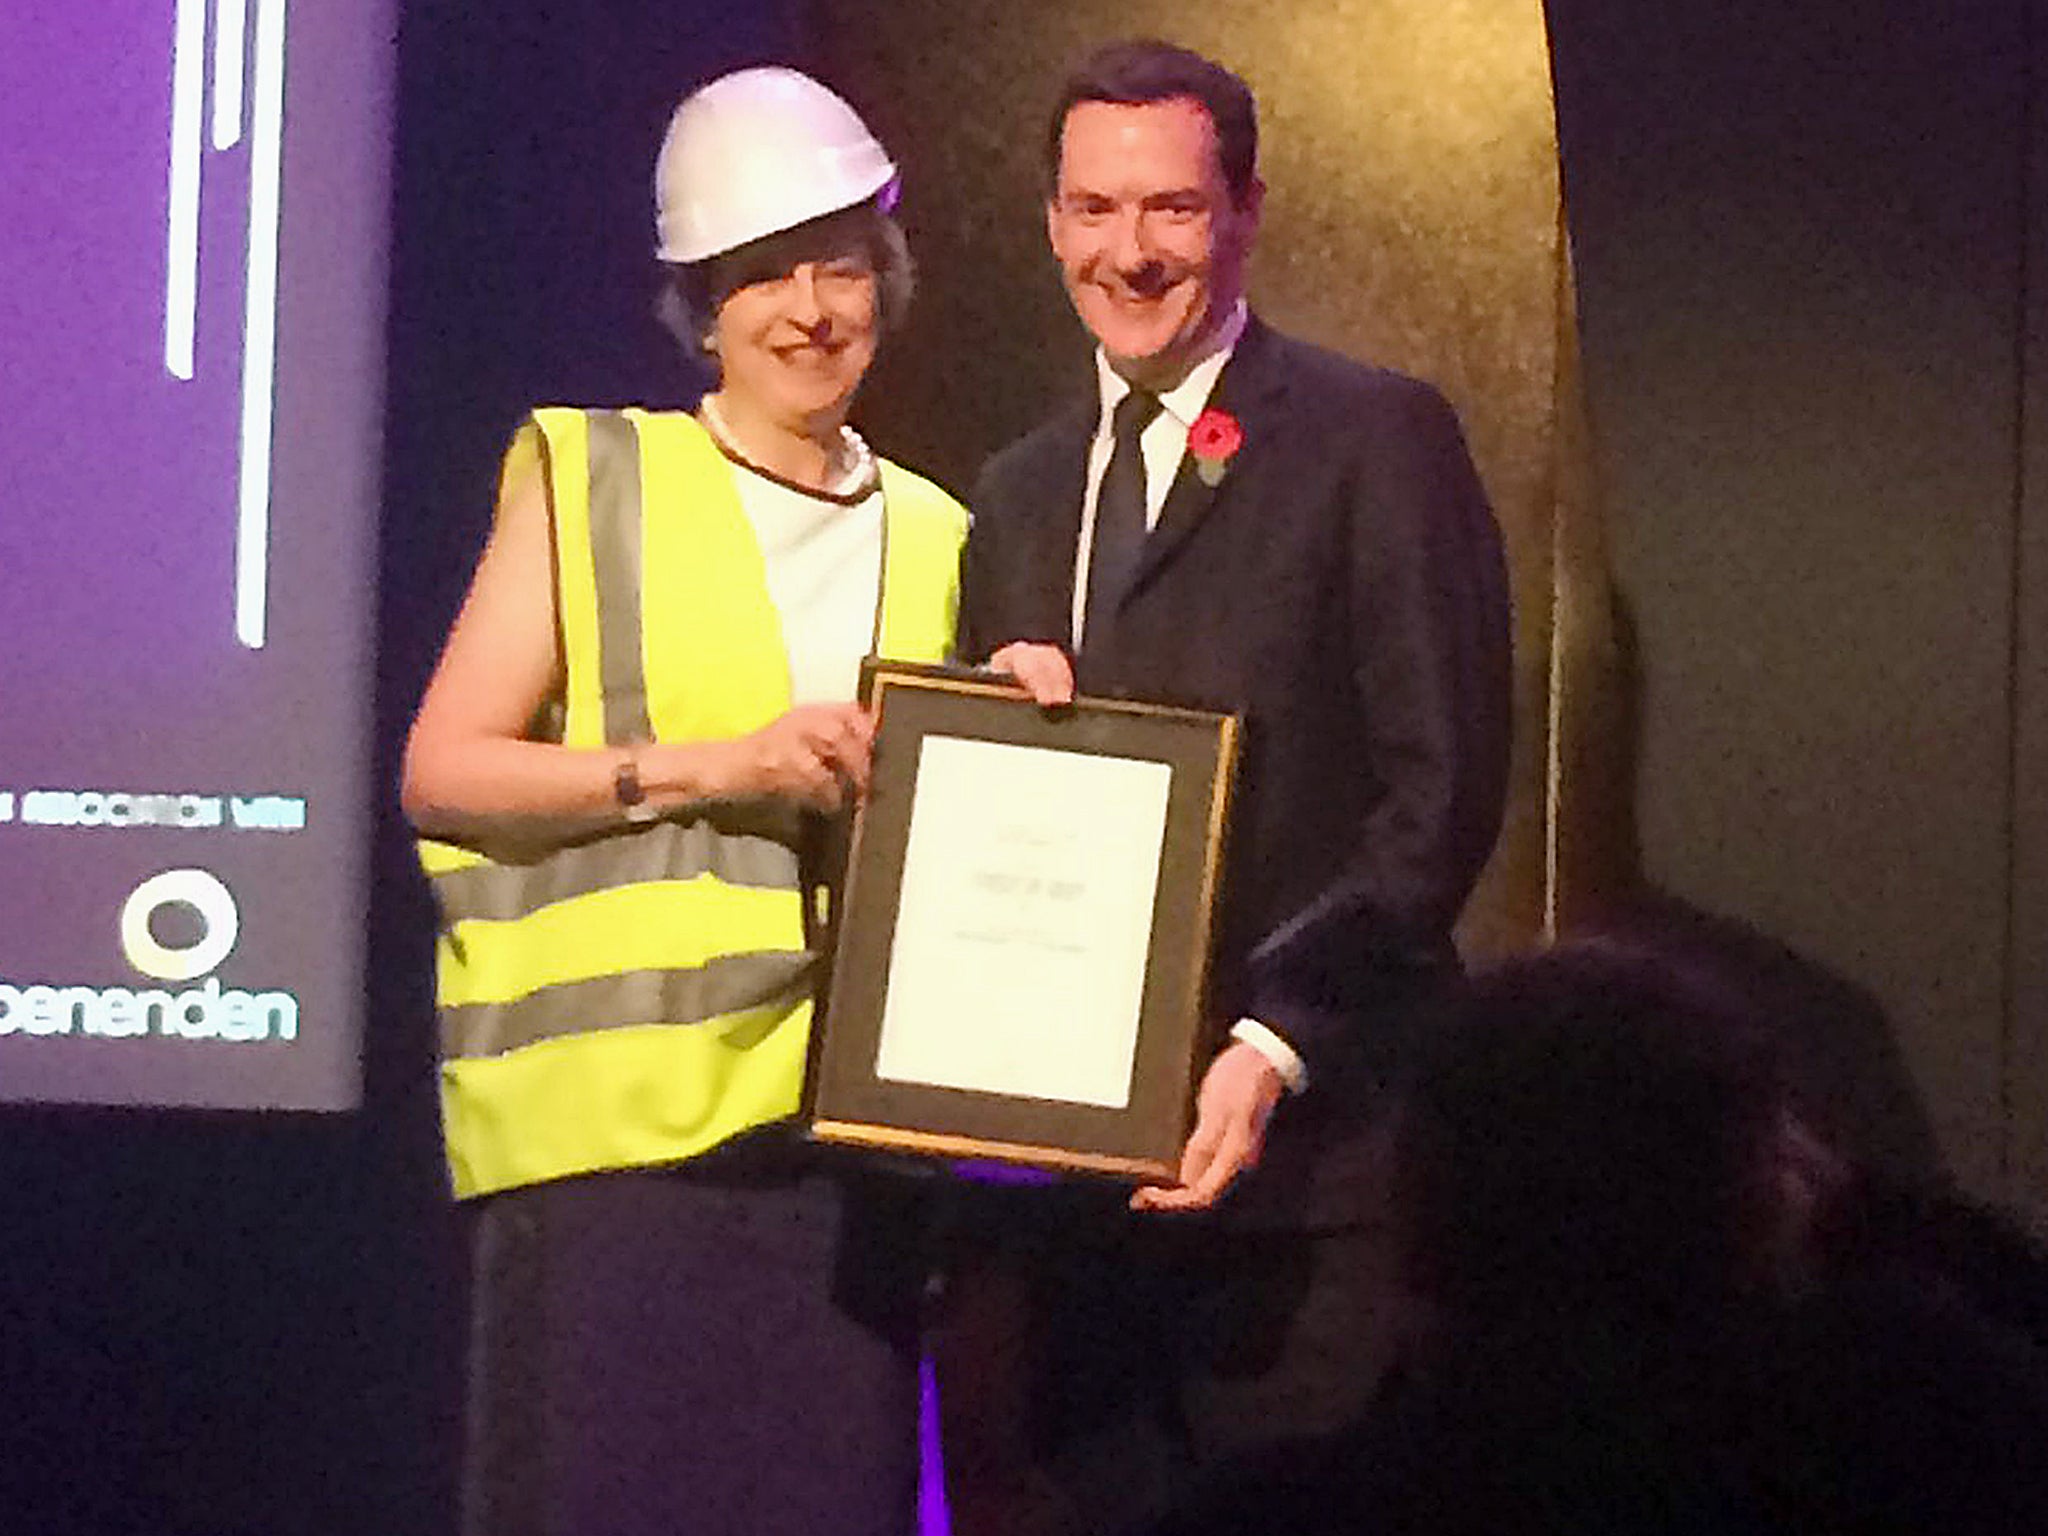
(1042, 670)
(1236, 1100)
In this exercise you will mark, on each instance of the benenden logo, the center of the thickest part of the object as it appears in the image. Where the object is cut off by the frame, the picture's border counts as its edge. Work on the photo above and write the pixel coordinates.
(207, 1011)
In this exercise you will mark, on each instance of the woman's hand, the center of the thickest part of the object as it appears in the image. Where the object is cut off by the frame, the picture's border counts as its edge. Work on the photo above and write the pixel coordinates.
(813, 754)
(472, 774)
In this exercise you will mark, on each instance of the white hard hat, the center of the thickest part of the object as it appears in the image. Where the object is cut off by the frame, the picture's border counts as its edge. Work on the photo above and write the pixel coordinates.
(756, 152)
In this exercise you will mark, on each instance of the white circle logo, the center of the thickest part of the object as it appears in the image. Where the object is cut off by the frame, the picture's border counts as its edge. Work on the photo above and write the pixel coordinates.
(219, 921)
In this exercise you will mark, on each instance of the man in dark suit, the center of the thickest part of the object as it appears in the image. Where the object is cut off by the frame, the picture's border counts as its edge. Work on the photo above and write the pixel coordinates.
(1232, 518)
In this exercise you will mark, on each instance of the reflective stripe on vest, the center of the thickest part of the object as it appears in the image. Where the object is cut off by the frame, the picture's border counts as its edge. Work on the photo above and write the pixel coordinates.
(641, 996)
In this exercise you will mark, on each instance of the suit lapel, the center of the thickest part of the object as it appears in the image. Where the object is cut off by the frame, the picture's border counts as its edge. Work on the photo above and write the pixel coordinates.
(1249, 389)
(1063, 464)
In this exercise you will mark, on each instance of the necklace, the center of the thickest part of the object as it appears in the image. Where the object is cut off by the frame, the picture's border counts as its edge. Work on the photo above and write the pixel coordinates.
(849, 470)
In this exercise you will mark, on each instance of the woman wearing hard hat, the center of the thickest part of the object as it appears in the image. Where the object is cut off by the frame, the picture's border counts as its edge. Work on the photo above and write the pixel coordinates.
(686, 1320)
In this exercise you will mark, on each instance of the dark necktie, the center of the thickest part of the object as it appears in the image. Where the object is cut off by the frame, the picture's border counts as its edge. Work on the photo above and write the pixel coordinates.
(1119, 515)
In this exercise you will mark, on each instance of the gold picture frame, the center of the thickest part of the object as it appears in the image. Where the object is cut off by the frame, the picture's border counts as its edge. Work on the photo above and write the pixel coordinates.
(1021, 946)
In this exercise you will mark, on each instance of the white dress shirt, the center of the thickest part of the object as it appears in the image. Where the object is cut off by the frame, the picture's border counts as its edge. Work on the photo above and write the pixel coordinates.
(1163, 442)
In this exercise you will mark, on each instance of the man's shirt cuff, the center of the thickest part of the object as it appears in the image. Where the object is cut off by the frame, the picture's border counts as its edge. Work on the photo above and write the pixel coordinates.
(1284, 1058)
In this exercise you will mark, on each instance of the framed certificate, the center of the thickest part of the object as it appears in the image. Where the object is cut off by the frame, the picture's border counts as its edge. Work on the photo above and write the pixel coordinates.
(1021, 963)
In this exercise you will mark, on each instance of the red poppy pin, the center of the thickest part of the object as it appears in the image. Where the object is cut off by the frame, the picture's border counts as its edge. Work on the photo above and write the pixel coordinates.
(1214, 440)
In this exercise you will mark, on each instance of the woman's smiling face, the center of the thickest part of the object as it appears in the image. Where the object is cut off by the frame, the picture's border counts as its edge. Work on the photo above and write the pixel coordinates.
(793, 345)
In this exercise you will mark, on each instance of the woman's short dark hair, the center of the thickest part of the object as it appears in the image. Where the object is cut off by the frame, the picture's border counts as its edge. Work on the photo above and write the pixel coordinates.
(690, 295)
(1145, 70)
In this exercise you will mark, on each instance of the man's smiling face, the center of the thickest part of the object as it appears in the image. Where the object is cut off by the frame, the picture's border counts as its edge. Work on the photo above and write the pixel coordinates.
(1149, 239)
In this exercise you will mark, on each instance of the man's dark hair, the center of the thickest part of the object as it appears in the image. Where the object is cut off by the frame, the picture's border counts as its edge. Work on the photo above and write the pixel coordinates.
(1145, 70)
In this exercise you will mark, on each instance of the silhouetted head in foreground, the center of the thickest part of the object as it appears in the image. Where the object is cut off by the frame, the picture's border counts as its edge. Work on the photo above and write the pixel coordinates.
(1638, 1293)
(1599, 1133)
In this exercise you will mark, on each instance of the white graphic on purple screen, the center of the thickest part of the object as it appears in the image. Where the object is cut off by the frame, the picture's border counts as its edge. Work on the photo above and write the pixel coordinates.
(263, 102)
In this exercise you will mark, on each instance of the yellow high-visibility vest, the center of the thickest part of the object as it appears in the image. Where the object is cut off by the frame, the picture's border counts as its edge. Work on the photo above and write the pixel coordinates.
(640, 996)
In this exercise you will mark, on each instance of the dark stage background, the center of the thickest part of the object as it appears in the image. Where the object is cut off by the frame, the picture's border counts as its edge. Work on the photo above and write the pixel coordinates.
(1811, 276)
(1804, 233)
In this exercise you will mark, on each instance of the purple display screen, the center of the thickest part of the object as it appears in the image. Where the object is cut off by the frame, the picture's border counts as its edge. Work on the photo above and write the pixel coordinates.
(193, 216)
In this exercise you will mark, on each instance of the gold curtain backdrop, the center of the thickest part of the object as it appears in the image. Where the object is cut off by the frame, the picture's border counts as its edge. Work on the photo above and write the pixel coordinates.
(1412, 219)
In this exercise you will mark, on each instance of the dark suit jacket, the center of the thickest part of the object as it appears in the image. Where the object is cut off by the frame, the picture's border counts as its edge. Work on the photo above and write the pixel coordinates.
(1342, 588)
